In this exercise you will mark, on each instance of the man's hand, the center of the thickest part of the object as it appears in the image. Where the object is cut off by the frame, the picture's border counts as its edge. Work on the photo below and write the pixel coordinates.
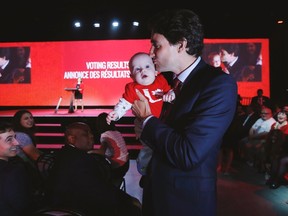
(141, 108)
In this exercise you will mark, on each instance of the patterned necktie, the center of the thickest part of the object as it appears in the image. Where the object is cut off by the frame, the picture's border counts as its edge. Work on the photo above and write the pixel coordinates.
(177, 84)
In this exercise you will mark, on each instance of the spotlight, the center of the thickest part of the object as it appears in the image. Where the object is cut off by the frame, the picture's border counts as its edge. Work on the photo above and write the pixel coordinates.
(115, 24)
(96, 25)
(135, 23)
(77, 24)
(280, 21)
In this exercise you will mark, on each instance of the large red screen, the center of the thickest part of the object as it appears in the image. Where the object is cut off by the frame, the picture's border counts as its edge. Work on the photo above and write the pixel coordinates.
(103, 65)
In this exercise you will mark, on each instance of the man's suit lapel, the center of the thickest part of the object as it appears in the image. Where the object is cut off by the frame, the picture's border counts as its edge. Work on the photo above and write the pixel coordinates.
(188, 87)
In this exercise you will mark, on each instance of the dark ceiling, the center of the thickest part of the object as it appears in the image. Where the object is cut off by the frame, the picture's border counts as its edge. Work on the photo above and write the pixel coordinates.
(53, 20)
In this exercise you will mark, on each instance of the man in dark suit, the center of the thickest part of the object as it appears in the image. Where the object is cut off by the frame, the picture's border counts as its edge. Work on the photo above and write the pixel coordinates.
(15, 187)
(261, 100)
(247, 120)
(80, 180)
(182, 173)
(229, 53)
(6, 67)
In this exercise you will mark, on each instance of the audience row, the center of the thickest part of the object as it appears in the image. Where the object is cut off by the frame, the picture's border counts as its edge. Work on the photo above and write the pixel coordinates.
(78, 177)
(81, 178)
(258, 136)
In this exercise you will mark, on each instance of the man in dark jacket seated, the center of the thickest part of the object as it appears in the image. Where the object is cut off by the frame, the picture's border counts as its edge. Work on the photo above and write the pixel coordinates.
(80, 180)
(15, 187)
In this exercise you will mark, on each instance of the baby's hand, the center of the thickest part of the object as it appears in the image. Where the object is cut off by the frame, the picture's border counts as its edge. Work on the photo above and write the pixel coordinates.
(112, 116)
(169, 96)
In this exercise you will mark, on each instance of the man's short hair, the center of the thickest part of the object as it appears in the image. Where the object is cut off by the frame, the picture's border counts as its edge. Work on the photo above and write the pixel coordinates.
(5, 127)
(75, 126)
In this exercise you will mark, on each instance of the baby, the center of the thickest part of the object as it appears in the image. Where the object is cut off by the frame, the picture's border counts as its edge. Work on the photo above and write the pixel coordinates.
(153, 86)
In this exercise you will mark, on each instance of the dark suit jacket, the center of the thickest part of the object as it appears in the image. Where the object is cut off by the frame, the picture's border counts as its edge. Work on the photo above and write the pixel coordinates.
(80, 181)
(182, 178)
(236, 69)
(244, 129)
(15, 189)
(266, 101)
(7, 73)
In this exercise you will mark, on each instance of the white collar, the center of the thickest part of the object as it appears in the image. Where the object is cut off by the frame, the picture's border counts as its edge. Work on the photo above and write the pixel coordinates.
(183, 75)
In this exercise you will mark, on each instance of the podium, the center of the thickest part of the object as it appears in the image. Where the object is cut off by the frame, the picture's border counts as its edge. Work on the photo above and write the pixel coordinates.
(71, 107)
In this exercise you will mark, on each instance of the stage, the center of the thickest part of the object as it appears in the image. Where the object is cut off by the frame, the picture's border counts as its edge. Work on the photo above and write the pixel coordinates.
(64, 112)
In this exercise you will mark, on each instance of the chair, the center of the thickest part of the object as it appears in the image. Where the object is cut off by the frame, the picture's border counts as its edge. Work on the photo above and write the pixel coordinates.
(123, 185)
(57, 211)
(44, 164)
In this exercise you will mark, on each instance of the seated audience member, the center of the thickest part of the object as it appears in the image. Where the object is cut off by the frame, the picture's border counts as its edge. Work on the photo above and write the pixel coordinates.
(113, 146)
(24, 126)
(81, 180)
(247, 120)
(276, 149)
(281, 122)
(261, 100)
(254, 147)
(280, 177)
(285, 108)
(278, 130)
(15, 194)
(250, 117)
(276, 161)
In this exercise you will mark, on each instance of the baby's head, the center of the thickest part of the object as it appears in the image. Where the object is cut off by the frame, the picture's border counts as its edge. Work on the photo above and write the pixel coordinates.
(142, 69)
(214, 59)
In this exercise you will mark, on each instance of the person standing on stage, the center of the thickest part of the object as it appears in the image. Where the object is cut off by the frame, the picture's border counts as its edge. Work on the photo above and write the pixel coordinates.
(181, 176)
(78, 95)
